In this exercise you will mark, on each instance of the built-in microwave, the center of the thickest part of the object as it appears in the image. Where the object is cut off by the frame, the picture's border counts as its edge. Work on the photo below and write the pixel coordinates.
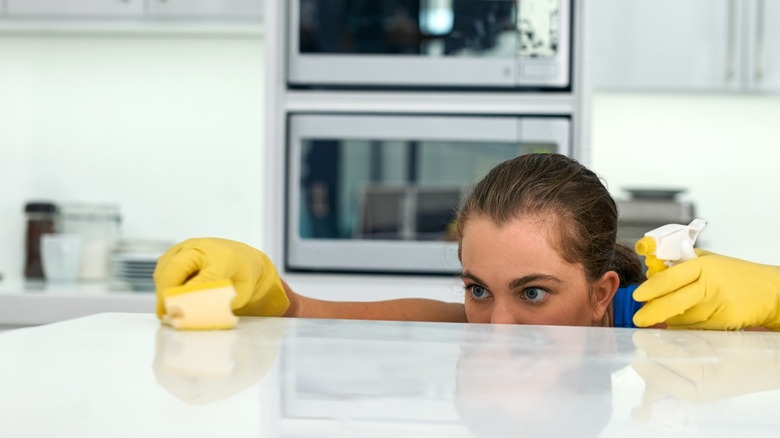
(490, 44)
(380, 192)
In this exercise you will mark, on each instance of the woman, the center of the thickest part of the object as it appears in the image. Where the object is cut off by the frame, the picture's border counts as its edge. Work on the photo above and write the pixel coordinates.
(537, 246)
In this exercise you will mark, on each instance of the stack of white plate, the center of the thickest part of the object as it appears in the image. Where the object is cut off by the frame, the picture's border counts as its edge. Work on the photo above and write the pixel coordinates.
(133, 263)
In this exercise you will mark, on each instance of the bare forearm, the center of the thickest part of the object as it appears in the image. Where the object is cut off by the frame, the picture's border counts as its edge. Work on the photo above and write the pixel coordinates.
(409, 309)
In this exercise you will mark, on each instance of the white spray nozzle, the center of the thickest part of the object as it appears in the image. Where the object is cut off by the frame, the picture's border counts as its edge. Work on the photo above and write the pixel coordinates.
(674, 242)
(668, 245)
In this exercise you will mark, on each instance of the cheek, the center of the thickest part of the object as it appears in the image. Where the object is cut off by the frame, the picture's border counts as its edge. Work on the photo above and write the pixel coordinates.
(477, 314)
(578, 309)
(570, 309)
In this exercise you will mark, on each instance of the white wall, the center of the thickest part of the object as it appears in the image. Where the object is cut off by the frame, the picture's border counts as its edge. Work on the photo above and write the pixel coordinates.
(169, 127)
(724, 148)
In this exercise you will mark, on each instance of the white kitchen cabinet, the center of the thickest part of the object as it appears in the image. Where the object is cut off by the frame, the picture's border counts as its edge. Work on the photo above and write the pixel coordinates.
(695, 45)
(763, 56)
(251, 10)
(208, 9)
(75, 8)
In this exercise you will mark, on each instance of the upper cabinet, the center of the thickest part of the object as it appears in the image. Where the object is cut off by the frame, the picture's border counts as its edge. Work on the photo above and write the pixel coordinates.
(231, 9)
(695, 45)
(249, 10)
(765, 56)
(75, 8)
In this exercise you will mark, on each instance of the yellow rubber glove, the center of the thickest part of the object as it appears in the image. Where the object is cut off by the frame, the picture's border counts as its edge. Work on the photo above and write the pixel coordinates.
(259, 290)
(712, 292)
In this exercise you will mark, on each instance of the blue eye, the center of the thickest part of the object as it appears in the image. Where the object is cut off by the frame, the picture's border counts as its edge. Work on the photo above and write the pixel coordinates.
(535, 294)
(478, 292)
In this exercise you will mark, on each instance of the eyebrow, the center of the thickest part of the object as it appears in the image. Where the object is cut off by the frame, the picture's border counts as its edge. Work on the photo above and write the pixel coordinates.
(517, 283)
(470, 276)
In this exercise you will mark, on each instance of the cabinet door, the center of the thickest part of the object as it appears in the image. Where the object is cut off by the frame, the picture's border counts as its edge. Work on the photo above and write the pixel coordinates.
(75, 8)
(237, 9)
(648, 45)
(762, 67)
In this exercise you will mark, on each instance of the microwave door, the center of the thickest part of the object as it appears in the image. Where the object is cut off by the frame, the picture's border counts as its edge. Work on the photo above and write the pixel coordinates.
(379, 193)
(396, 43)
(412, 71)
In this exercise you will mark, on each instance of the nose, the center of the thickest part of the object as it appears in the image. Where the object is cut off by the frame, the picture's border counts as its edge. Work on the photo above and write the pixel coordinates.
(505, 313)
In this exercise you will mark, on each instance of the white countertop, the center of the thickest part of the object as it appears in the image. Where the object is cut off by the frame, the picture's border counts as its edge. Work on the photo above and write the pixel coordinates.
(124, 375)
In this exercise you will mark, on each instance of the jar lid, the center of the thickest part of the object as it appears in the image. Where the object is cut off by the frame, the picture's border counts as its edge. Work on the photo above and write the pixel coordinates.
(40, 207)
(90, 210)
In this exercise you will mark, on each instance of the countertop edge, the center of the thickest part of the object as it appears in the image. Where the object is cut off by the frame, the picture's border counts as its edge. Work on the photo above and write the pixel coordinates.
(32, 308)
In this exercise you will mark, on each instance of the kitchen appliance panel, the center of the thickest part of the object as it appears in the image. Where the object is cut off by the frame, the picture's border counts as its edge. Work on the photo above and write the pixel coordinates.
(380, 193)
(430, 43)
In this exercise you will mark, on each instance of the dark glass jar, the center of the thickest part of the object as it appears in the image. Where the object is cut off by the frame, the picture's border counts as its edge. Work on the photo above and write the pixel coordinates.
(41, 219)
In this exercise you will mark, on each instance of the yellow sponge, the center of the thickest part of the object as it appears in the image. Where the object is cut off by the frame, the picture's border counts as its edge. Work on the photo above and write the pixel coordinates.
(202, 306)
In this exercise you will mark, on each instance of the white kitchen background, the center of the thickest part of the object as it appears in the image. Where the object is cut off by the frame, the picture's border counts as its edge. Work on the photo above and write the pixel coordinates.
(170, 127)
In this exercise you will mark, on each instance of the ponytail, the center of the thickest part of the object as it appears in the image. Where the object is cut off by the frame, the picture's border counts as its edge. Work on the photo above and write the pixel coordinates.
(627, 265)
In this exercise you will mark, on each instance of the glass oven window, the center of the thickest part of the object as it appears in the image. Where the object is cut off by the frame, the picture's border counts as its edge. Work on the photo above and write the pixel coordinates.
(383, 189)
(380, 192)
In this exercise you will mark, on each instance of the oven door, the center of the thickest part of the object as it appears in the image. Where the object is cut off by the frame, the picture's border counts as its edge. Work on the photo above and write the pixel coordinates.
(430, 43)
(380, 193)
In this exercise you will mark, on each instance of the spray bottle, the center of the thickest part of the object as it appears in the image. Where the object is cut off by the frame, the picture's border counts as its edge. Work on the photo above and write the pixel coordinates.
(669, 245)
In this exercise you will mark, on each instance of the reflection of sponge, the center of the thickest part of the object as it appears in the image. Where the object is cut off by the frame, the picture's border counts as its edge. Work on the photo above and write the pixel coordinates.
(204, 367)
(202, 306)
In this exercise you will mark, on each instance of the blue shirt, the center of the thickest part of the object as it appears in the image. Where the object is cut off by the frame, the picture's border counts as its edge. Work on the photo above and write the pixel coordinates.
(624, 306)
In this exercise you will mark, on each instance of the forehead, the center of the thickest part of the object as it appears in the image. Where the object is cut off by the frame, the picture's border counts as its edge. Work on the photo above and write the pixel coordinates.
(521, 243)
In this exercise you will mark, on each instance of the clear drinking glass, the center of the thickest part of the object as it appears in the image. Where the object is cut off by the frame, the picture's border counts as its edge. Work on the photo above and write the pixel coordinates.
(99, 228)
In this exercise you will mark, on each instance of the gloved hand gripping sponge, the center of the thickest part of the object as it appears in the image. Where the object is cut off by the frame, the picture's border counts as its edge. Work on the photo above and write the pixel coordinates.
(200, 306)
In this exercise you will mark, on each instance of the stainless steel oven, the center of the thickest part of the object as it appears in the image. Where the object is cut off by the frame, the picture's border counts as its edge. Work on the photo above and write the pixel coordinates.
(379, 193)
(518, 44)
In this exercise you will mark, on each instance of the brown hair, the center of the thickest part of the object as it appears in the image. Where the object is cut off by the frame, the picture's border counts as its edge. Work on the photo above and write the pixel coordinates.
(554, 186)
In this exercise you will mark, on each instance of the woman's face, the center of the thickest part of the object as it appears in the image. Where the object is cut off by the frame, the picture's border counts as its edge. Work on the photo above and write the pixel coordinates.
(512, 275)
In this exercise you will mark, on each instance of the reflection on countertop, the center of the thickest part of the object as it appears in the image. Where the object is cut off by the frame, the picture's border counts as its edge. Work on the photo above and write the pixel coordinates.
(277, 377)
(202, 367)
(684, 370)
